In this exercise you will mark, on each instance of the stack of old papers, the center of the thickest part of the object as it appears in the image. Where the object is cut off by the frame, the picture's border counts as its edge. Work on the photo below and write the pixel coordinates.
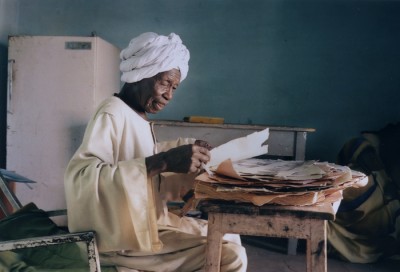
(261, 181)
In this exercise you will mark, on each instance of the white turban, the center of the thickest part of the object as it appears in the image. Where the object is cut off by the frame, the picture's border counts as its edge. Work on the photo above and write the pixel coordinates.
(150, 54)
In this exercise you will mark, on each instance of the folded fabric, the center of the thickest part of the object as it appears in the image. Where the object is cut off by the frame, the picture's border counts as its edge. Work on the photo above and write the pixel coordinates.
(150, 54)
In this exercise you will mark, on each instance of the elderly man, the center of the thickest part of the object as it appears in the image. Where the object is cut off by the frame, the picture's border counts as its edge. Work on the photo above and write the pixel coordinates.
(110, 181)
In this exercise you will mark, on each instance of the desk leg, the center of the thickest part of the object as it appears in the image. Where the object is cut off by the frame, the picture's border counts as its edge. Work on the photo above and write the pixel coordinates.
(316, 247)
(292, 246)
(214, 242)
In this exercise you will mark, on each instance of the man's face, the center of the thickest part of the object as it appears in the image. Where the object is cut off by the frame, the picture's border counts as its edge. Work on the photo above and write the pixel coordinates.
(159, 90)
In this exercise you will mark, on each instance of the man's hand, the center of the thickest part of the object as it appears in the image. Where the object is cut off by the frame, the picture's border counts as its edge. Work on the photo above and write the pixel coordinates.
(203, 144)
(186, 158)
(182, 159)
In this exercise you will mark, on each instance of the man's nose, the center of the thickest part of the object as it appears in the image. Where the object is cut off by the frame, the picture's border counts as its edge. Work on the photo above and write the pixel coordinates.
(169, 94)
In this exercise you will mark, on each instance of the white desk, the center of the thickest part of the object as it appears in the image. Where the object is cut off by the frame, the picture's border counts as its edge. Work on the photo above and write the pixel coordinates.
(287, 142)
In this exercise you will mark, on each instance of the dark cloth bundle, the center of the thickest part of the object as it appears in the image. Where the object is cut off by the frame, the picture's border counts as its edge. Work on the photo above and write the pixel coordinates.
(367, 225)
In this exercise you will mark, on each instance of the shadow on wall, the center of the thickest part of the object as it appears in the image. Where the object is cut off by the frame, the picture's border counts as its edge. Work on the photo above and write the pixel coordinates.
(3, 103)
(76, 136)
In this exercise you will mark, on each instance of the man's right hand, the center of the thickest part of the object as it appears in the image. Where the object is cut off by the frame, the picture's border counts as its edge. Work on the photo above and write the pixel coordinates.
(182, 159)
(186, 158)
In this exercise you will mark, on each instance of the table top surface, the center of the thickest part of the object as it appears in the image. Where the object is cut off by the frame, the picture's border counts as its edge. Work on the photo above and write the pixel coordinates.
(324, 211)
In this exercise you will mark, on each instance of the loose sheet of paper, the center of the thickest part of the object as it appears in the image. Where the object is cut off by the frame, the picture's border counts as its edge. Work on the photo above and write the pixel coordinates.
(246, 147)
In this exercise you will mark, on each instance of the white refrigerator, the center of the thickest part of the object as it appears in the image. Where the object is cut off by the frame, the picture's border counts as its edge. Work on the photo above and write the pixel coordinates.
(54, 86)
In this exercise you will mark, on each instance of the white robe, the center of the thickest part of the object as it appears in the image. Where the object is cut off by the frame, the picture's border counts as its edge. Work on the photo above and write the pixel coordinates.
(108, 191)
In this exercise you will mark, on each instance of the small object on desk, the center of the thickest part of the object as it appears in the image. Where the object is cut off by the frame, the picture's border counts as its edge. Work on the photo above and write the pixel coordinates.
(204, 119)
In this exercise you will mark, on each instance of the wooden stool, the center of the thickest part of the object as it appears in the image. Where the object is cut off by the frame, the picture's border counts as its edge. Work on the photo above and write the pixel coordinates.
(274, 221)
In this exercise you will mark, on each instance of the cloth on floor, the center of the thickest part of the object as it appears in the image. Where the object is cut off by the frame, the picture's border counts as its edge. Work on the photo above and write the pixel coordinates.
(367, 225)
(30, 222)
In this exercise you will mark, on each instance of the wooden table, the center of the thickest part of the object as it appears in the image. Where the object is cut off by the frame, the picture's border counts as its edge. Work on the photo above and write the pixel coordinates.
(274, 221)
(287, 143)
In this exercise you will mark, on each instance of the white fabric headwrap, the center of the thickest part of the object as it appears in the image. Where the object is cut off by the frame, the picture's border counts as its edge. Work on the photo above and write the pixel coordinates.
(149, 54)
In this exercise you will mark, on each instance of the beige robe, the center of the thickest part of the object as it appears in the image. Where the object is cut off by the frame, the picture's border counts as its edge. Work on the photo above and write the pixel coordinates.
(108, 191)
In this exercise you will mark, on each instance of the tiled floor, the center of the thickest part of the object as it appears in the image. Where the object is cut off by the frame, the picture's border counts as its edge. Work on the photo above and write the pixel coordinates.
(270, 260)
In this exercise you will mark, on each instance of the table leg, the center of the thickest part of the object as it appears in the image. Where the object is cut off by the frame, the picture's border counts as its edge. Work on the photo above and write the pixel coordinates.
(214, 242)
(317, 247)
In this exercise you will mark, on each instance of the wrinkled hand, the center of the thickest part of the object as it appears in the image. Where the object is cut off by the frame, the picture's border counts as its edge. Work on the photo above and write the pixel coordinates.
(203, 144)
(186, 158)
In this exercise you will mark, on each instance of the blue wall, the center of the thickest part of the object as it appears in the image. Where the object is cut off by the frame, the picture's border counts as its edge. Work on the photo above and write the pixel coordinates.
(329, 65)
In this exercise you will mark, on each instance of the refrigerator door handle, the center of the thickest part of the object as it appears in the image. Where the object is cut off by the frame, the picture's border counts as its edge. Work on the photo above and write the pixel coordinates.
(10, 84)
